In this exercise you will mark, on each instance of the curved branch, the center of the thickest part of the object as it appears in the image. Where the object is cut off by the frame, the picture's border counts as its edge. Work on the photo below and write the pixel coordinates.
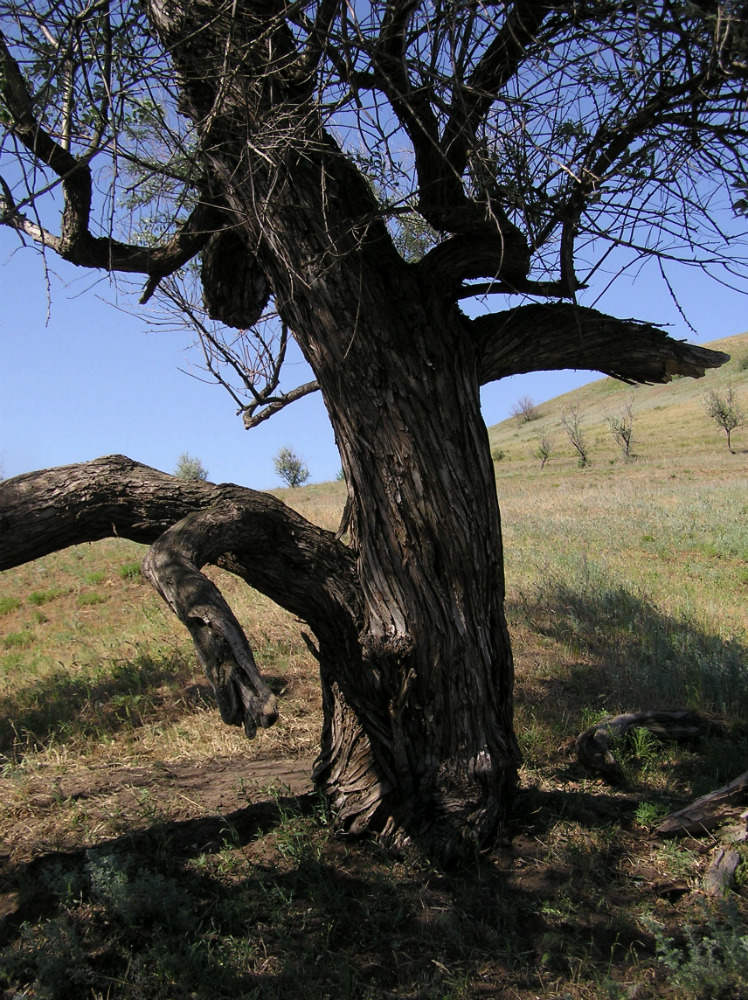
(173, 567)
(298, 565)
(253, 535)
(553, 337)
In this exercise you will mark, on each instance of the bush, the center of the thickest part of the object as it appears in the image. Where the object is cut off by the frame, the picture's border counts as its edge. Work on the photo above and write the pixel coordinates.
(130, 571)
(525, 410)
(725, 411)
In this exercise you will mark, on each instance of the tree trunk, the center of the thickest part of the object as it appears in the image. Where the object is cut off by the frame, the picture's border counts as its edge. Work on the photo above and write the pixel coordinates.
(418, 736)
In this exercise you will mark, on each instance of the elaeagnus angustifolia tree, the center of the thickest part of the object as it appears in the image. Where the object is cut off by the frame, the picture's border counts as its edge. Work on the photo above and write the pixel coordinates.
(418, 193)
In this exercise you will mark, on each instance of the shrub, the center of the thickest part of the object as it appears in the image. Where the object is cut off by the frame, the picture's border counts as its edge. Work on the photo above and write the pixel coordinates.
(621, 427)
(38, 597)
(572, 423)
(130, 571)
(8, 604)
(525, 410)
(543, 450)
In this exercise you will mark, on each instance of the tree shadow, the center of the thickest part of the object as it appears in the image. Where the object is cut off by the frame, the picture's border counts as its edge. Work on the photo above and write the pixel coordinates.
(123, 694)
(255, 904)
(630, 655)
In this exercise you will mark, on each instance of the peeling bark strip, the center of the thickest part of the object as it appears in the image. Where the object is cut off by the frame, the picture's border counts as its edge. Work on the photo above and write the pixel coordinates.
(172, 566)
(593, 745)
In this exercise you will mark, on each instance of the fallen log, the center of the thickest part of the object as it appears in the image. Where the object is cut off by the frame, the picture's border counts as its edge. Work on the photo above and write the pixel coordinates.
(708, 811)
(593, 745)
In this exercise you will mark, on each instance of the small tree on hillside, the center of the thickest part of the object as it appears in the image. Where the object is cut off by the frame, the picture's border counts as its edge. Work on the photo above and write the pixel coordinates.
(290, 468)
(725, 410)
(543, 450)
(621, 427)
(525, 410)
(572, 423)
(190, 468)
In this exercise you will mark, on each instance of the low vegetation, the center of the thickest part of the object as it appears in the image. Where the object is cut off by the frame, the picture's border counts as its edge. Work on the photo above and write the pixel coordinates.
(150, 852)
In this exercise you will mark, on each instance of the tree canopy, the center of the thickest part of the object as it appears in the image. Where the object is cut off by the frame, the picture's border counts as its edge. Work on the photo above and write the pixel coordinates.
(534, 149)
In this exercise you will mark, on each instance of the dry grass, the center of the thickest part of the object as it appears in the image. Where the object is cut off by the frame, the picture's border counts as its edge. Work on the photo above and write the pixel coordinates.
(150, 852)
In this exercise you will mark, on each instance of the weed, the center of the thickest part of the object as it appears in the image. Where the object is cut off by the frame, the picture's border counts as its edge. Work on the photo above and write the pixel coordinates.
(44, 596)
(649, 814)
(88, 600)
(138, 896)
(8, 604)
(708, 961)
(680, 862)
(94, 576)
(18, 640)
(638, 752)
(51, 958)
(130, 571)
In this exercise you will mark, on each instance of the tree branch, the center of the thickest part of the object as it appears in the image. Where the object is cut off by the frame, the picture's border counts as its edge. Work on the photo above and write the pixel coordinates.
(76, 242)
(273, 548)
(251, 534)
(272, 405)
(553, 337)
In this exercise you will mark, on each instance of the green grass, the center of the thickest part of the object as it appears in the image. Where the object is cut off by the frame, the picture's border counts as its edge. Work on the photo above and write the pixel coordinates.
(129, 571)
(146, 854)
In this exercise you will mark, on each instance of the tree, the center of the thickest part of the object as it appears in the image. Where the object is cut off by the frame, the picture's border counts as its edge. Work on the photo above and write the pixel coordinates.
(622, 428)
(543, 449)
(572, 424)
(290, 468)
(725, 411)
(347, 175)
(525, 410)
(190, 468)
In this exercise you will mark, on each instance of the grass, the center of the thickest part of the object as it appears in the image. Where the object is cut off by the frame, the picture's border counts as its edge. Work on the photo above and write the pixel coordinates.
(150, 852)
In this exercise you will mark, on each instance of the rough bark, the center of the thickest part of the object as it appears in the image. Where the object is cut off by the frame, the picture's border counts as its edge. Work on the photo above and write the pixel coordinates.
(429, 685)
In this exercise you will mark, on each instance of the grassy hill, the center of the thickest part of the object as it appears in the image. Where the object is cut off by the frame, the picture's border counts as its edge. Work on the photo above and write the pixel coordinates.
(670, 422)
(147, 851)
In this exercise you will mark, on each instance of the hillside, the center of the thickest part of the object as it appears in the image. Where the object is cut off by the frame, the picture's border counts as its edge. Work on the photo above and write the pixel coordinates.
(669, 420)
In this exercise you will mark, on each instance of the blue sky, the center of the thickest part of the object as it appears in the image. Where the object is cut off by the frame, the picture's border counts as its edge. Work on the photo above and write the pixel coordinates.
(80, 378)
